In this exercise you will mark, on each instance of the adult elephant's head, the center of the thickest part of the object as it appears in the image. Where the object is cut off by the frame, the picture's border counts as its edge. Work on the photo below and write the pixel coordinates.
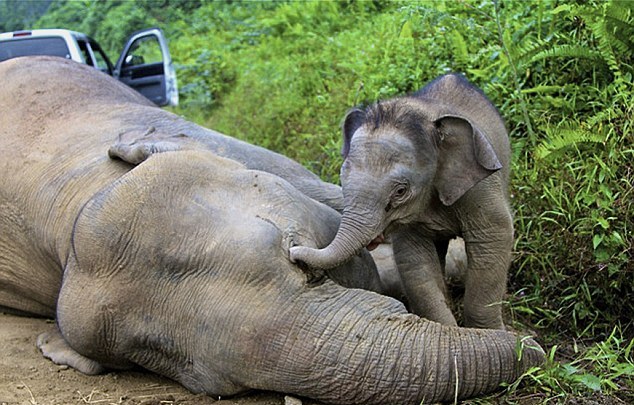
(404, 155)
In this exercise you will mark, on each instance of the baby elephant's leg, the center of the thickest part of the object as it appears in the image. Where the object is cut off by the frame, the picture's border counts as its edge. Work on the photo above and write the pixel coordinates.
(421, 272)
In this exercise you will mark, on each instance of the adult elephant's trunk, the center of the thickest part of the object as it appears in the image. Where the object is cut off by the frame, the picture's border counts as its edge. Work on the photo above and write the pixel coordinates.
(355, 233)
(357, 347)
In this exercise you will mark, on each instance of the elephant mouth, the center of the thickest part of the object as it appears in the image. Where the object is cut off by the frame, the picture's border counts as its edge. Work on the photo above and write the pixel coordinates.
(374, 243)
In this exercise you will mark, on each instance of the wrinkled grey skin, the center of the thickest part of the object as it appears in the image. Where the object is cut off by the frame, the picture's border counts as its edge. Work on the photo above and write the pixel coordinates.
(160, 132)
(180, 264)
(425, 169)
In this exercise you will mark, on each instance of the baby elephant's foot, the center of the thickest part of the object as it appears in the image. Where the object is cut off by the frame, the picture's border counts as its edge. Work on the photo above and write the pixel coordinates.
(54, 347)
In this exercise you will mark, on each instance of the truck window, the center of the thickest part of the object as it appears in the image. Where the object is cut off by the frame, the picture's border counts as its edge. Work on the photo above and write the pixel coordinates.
(85, 53)
(144, 51)
(34, 46)
(103, 63)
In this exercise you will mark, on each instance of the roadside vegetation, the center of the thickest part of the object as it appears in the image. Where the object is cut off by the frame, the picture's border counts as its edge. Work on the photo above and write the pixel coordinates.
(282, 75)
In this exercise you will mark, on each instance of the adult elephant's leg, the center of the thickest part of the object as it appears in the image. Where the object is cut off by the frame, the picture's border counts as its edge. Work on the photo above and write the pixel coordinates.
(54, 347)
(421, 272)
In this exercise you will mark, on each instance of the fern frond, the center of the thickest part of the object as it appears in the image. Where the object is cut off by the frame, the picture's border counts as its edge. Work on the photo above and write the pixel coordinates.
(619, 23)
(559, 139)
(622, 11)
(622, 33)
(568, 51)
(527, 52)
(606, 45)
(459, 46)
(612, 27)
(602, 117)
(545, 89)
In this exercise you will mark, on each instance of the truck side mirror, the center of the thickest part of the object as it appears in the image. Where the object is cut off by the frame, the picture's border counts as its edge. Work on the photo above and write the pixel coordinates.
(134, 60)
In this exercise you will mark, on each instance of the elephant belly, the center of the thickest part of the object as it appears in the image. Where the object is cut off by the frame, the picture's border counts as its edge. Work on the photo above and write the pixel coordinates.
(434, 231)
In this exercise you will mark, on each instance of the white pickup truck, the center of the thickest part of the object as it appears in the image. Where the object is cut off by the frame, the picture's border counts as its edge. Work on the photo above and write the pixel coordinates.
(145, 63)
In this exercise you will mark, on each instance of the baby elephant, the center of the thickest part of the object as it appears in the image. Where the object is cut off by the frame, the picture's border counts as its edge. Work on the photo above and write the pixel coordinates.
(426, 168)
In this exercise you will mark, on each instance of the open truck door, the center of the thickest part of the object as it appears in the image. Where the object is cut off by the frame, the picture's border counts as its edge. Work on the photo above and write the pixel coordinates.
(146, 65)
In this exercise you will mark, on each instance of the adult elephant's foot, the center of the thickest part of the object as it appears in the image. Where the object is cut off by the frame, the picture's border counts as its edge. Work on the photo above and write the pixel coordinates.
(54, 347)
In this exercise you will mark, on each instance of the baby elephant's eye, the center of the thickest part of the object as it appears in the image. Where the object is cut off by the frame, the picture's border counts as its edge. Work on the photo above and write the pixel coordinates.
(400, 191)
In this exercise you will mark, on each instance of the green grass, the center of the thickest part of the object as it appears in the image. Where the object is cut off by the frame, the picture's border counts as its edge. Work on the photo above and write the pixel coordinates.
(593, 372)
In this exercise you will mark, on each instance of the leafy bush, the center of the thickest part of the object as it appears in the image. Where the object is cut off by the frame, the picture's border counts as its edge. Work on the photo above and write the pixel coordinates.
(574, 184)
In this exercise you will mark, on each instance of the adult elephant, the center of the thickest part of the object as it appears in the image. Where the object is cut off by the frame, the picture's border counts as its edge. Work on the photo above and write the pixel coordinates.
(180, 264)
(426, 168)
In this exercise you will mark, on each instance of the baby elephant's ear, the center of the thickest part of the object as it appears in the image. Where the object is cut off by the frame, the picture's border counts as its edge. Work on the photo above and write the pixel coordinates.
(353, 121)
(465, 157)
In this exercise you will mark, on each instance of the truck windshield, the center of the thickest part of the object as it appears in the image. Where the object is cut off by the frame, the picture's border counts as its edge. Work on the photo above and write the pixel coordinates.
(33, 46)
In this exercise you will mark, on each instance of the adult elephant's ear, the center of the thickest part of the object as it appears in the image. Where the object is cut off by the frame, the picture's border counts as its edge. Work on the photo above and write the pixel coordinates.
(465, 157)
(353, 121)
(137, 145)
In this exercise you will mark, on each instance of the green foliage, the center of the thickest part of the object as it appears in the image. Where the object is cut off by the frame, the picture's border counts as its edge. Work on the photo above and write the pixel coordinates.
(574, 196)
(604, 367)
(112, 22)
(282, 75)
(602, 370)
(19, 14)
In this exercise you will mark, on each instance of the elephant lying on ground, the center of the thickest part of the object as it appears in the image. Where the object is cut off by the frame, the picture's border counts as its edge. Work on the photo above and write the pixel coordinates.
(180, 264)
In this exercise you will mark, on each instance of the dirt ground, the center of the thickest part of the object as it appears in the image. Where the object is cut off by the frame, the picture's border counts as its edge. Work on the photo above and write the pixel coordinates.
(26, 377)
